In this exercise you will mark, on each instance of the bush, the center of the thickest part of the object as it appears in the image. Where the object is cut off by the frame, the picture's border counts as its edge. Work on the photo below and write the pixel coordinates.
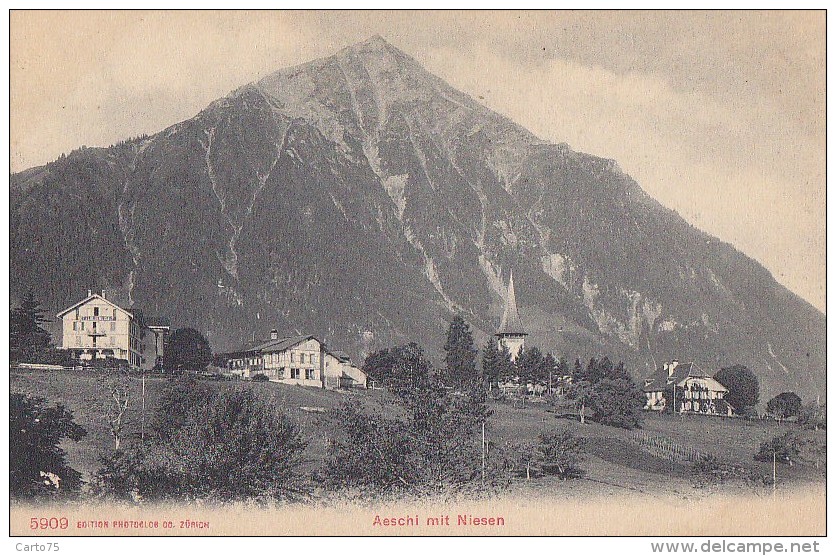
(434, 447)
(813, 416)
(709, 471)
(236, 446)
(785, 404)
(372, 453)
(37, 464)
(260, 377)
(562, 453)
(106, 363)
(786, 449)
(618, 403)
(181, 395)
(53, 356)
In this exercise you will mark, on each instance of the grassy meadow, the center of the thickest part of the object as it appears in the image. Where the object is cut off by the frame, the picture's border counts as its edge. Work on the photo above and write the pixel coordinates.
(616, 464)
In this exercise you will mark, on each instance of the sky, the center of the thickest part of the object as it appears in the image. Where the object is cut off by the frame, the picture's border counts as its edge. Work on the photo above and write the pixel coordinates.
(718, 115)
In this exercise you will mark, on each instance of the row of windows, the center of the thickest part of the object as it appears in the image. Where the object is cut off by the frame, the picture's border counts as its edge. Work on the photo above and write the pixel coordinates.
(97, 312)
(109, 341)
(81, 326)
(302, 357)
(310, 358)
(310, 374)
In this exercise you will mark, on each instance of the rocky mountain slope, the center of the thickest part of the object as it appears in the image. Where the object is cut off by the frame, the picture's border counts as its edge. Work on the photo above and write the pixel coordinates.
(363, 199)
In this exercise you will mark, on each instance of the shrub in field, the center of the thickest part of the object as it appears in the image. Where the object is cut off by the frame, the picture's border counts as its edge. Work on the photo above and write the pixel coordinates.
(708, 471)
(813, 416)
(236, 446)
(181, 394)
(785, 404)
(562, 453)
(523, 459)
(187, 350)
(785, 449)
(435, 444)
(372, 453)
(260, 377)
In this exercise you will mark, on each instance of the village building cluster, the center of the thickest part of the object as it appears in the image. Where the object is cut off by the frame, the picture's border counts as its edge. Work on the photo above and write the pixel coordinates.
(97, 328)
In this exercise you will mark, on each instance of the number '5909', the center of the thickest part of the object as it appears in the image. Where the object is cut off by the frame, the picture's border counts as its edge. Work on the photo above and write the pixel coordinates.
(48, 523)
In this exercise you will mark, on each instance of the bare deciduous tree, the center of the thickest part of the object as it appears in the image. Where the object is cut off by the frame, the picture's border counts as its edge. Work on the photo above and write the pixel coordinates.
(112, 402)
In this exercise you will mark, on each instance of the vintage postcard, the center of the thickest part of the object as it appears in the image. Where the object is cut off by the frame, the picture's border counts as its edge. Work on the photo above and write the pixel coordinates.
(418, 273)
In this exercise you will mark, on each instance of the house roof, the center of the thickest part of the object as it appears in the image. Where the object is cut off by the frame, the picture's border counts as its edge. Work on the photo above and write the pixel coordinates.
(511, 322)
(158, 322)
(660, 380)
(282, 344)
(91, 298)
(341, 355)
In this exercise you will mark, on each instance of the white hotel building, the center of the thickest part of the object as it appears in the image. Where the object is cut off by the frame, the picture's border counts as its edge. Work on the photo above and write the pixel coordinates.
(97, 328)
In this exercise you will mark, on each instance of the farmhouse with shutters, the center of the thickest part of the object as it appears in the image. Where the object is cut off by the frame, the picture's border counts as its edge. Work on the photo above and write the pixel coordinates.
(687, 389)
(303, 360)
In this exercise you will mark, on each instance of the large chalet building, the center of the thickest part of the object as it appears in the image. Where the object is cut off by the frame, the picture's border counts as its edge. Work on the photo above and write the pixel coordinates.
(98, 328)
(303, 360)
(686, 388)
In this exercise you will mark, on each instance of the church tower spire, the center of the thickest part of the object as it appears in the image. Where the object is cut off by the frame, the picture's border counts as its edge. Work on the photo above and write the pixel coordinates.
(511, 331)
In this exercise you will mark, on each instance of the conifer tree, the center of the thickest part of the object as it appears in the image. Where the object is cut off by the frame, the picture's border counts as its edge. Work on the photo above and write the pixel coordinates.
(26, 336)
(460, 354)
(491, 363)
(531, 366)
(507, 368)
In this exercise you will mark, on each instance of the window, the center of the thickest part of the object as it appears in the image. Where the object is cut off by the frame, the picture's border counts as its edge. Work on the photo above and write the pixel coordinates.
(95, 311)
(309, 374)
(94, 327)
(291, 357)
(313, 358)
(294, 373)
(112, 326)
(301, 357)
(82, 325)
(76, 314)
(280, 373)
(75, 325)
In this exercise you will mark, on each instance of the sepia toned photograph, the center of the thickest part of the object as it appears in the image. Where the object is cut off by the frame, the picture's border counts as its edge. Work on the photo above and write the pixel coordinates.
(417, 273)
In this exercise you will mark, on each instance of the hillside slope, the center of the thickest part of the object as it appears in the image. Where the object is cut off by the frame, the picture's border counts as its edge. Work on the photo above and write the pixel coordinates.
(363, 199)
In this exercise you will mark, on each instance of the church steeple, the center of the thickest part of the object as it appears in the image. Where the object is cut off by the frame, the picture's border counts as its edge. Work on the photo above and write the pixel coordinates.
(511, 331)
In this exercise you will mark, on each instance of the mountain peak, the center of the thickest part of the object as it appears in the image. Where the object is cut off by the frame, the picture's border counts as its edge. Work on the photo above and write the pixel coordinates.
(375, 41)
(378, 46)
